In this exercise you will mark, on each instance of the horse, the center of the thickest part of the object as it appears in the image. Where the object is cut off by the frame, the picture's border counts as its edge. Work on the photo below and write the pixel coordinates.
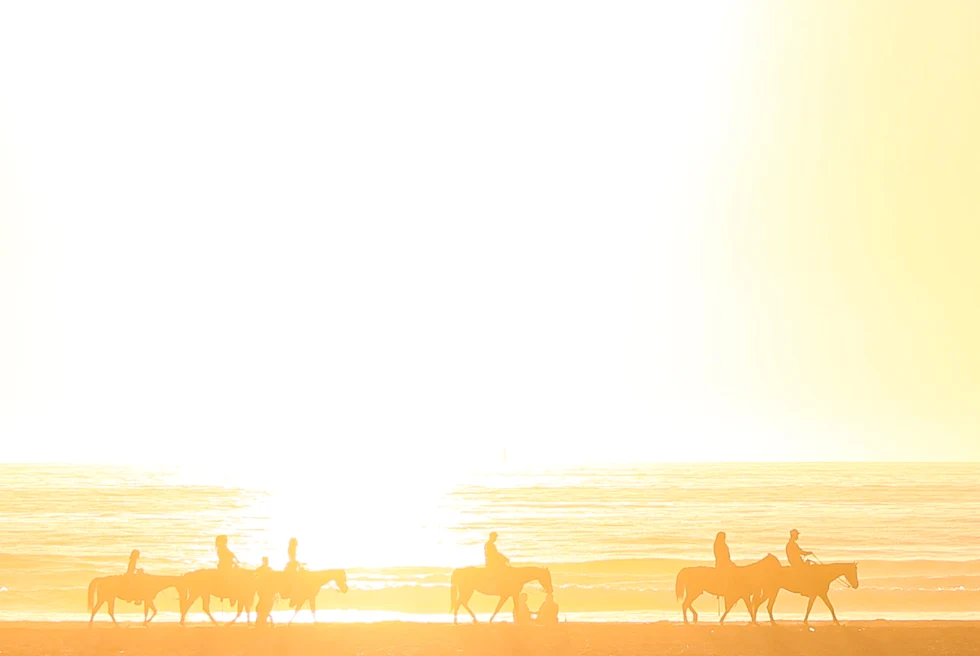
(132, 588)
(236, 584)
(809, 581)
(732, 583)
(506, 582)
(299, 588)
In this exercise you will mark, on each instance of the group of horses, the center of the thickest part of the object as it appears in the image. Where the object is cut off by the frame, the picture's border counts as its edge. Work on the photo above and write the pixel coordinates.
(754, 584)
(239, 585)
(760, 582)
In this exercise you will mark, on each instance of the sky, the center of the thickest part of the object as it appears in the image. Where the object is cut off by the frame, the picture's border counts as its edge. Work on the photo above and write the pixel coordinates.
(434, 235)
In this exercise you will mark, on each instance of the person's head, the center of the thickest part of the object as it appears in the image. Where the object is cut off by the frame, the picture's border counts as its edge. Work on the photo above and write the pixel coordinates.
(493, 536)
(720, 537)
(221, 541)
(134, 554)
(265, 561)
(293, 543)
(794, 534)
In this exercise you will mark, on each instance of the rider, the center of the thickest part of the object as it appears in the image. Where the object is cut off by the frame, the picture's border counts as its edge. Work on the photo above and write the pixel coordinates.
(494, 559)
(133, 557)
(722, 556)
(226, 559)
(264, 567)
(794, 554)
(293, 564)
(132, 570)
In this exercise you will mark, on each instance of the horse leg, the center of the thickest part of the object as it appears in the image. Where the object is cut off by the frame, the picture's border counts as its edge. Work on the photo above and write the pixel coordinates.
(313, 608)
(153, 607)
(463, 600)
(299, 605)
(206, 605)
(112, 611)
(186, 602)
(729, 605)
(146, 610)
(809, 607)
(826, 600)
(689, 604)
(95, 608)
(772, 602)
(751, 606)
(237, 615)
(500, 605)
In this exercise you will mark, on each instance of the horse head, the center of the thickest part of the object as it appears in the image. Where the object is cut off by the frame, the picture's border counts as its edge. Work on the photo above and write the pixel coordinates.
(851, 574)
(341, 579)
(544, 579)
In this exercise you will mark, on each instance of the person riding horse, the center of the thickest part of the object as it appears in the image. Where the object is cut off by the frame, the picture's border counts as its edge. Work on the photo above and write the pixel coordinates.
(723, 558)
(495, 561)
(226, 559)
(794, 553)
(132, 570)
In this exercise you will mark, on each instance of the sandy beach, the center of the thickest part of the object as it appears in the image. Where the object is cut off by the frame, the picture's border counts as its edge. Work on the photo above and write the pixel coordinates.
(879, 637)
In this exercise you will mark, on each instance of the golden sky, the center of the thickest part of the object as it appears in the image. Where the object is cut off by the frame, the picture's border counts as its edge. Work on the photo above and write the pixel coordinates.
(439, 232)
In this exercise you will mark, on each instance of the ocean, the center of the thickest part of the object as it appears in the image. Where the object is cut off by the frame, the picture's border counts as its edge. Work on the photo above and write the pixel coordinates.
(613, 537)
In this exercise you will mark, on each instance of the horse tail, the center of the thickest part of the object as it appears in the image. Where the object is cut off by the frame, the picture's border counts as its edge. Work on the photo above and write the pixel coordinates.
(679, 584)
(453, 592)
(91, 592)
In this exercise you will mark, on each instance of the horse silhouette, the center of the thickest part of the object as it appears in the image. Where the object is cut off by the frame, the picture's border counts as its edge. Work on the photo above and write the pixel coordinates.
(807, 580)
(505, 582)
(301, 587)
(131, 588)
(235, 584)
(732, 583)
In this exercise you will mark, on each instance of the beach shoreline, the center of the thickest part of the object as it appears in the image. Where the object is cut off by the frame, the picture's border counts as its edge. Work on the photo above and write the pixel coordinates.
(892, 637)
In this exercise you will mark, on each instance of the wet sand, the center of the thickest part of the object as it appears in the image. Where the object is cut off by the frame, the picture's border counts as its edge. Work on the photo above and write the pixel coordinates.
(880, 637)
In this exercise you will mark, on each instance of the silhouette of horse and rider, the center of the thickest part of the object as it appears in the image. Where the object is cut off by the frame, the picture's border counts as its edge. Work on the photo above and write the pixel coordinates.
(761, 581)
(498, 579)
(228, 581)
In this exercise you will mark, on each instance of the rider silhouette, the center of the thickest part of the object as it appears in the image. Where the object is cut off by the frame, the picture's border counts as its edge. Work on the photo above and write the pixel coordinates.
(133, 557)
(226, 559)
(722, 556)
(132, 570)
(794, 554)
(264, 567)
(494, 559)
(293, 564)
